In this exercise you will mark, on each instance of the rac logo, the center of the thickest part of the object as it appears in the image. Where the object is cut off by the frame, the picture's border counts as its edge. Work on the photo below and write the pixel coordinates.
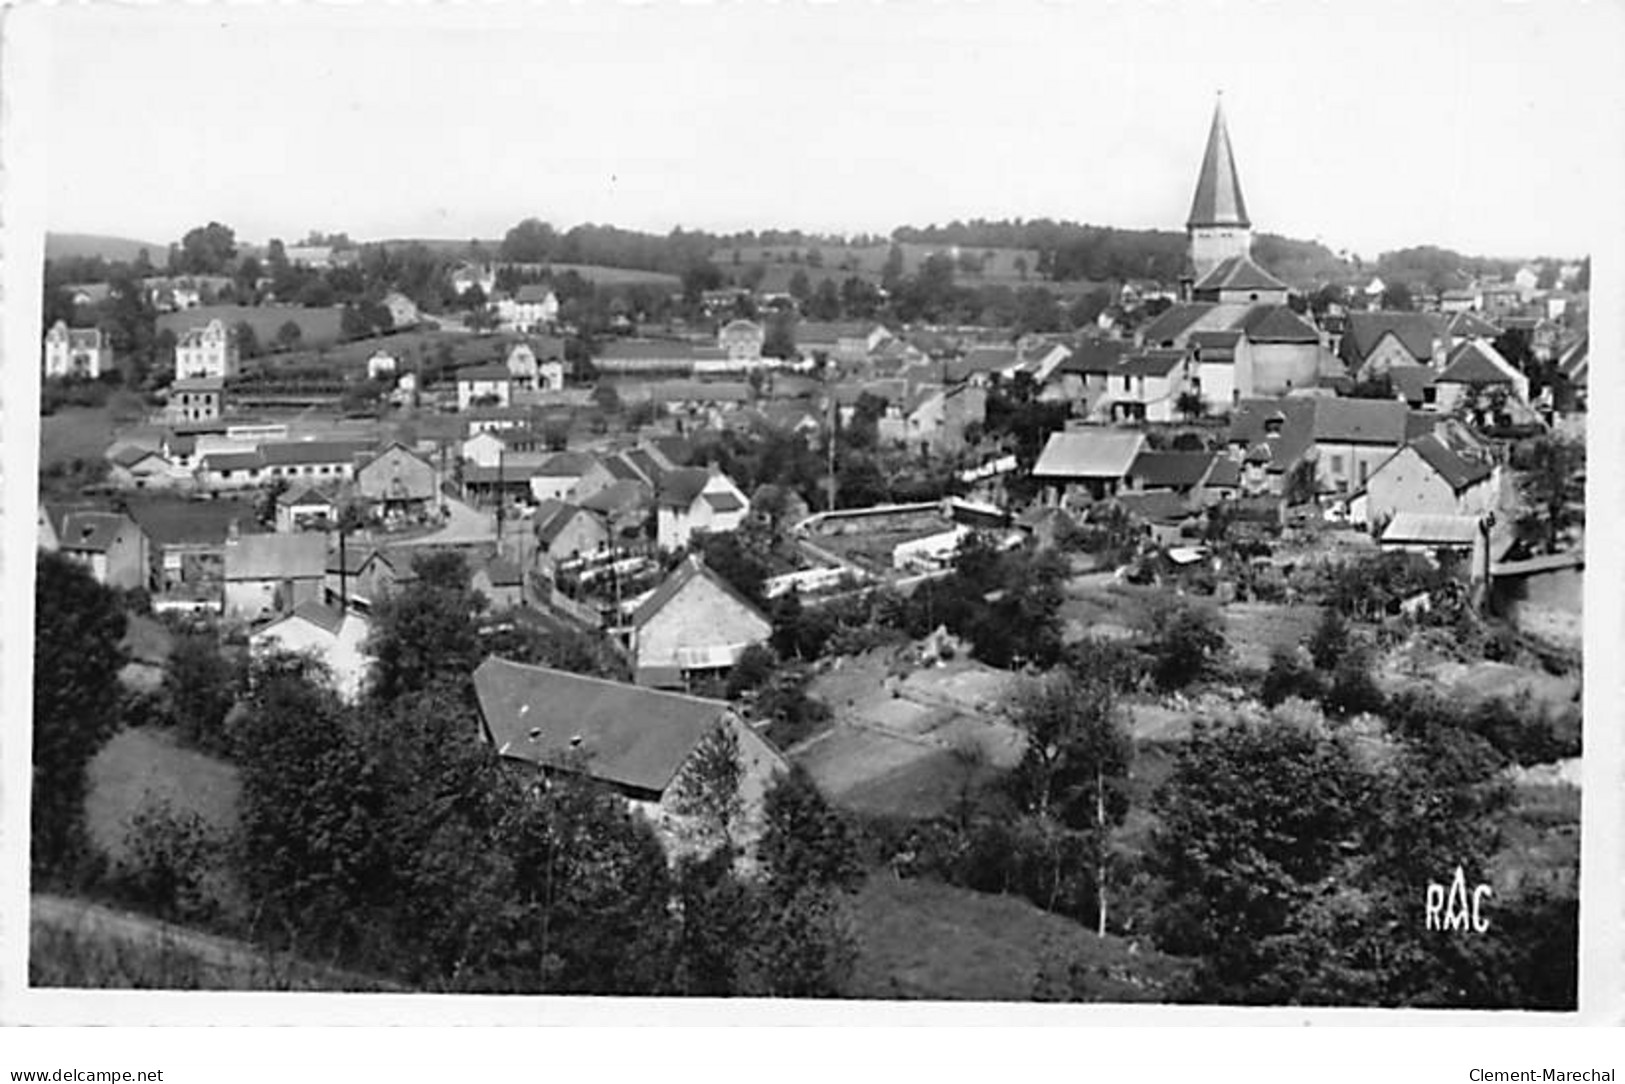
(1456, 908)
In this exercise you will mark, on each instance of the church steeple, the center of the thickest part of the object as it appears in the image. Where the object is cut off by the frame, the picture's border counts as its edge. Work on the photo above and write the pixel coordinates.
(1218, 225)
(1218, 199)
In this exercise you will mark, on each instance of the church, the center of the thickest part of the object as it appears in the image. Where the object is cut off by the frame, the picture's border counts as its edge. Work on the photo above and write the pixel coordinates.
(1240, 337)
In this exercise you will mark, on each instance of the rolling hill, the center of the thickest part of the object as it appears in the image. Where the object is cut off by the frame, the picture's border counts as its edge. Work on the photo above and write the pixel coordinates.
(62, 246)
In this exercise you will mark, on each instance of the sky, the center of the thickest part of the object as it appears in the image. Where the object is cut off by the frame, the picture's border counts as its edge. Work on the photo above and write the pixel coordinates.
(1368, 126)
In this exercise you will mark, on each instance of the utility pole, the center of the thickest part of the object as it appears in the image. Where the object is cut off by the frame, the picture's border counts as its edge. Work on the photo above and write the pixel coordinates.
(832, 416)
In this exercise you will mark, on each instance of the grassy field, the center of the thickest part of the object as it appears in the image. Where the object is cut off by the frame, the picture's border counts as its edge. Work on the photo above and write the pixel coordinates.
(1255, 629)
(317, 326)
(75, 433)
(142, 762)
(406, 346)
(620, 276)
(921, 939)
(79, 944)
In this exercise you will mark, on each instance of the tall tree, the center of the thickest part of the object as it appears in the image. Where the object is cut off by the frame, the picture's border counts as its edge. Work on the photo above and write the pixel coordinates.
(1073, 773)
(1551, 481)
(425, 633)
(208, 250)
(78, 626)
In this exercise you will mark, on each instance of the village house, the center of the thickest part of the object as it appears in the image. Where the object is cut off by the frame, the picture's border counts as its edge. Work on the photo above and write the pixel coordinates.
(198, 399)
(531, 372)
(132, 467)
(983, 364)
(380, 365)
(207, 352)
(638, 741)
(843, 343)
(696, 499)
(1447, 472)
(557, 476)
(323, 461)
(489, 384)
(470, 276)
(1184, 473)
(110, 545)
(1147, 384)
(1376, 343)
(1474, 368)
(533, 307)
(81, 353)
(742, 340)
(701, 402)
(397, 483)
(566, 531)
(303, 507)
(934, 419)
(500, 581)
(625, 505)
(360, 577)
(1347, 439)
(270, 574)
(187, 546)
(1086, 463)
(334, 637)
(1082, 378)
(693, 625)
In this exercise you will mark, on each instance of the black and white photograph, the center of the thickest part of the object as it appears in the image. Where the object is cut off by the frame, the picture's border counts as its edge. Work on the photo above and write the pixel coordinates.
(1071, 503)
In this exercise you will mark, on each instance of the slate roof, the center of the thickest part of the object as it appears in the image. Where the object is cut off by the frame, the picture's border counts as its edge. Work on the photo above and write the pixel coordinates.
(1175, 470)
(1476, 362)
(276, 557)
(623, 734)
(1163, 507)
(1411, 381)
(1278, 324)
(1457, 470)
(676, 450)
(531, 293)
(1249, 426)
(129, 455)
(327, 618)
(1218, 200)
(1216, 345)
(1094, 356)
(552, 517)
(699, 391)
(1088, 453)
(177, 521)
(617, 496)
(90, 532)
(303, 495)
(646, 465)
(565, 465)
(679, 579)
(1239, 273)
(1174, 321)
(1360, 421)
(1416, 332)
(504, 573)
(678, 488)
(285, 453)
(1226, 474)
(724, 502)
(621, 469)
(1155, 362)
(1470, 325)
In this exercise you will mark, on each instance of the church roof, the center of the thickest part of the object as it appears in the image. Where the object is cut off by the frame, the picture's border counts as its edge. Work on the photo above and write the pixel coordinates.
(1239, 273)
(1278, 324)
(1218, 199)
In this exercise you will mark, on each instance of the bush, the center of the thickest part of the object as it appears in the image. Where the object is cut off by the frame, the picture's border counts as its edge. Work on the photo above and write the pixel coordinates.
(1330, 640)
(1288, 677)
(171, 854)
(1352, 690)
(1185, 645)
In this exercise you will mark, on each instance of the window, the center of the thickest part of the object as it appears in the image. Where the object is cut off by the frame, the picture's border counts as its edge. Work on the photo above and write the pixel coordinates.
(1365, 469)
(1337, 464)
(1127, 383)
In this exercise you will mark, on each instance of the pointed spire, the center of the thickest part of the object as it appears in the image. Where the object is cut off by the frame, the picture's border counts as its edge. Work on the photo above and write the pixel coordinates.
(1218, 199)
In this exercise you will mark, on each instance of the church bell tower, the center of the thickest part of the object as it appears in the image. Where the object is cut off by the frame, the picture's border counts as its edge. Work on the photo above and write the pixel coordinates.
(1218, 226)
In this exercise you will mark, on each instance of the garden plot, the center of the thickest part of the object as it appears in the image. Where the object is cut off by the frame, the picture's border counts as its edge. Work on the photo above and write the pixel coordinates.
(909, 744)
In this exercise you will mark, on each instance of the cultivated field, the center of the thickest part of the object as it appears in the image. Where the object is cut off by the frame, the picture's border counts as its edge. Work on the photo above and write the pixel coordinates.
(316, 326)
(143, 764)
